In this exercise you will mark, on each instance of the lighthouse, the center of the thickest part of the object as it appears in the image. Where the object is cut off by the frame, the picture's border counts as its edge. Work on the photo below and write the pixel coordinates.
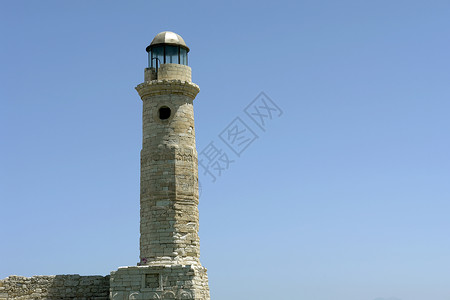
(169, 264)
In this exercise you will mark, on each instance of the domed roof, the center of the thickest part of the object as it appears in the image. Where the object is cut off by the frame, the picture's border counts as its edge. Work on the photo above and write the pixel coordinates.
(167, 38)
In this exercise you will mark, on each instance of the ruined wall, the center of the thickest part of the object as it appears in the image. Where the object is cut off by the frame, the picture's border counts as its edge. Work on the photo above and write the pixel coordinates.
(54, 287)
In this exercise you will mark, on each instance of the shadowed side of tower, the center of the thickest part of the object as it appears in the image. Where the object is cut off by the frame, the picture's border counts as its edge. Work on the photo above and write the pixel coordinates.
(169, 266)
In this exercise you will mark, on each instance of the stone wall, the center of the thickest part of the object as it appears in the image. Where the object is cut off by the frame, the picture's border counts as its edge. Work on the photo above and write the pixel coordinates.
(55, 287)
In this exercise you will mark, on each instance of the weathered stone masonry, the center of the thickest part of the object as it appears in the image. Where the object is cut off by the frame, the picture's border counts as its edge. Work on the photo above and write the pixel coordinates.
(55, 287)
(169, 179)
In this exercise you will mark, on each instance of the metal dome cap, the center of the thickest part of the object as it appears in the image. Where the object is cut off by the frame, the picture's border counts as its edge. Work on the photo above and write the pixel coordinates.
(167, 38)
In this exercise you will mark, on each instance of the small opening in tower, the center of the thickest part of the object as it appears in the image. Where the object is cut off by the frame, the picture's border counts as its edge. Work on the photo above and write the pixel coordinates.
(164, 113)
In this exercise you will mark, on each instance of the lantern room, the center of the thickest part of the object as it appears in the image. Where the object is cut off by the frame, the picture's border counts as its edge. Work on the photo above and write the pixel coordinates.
(167, 48)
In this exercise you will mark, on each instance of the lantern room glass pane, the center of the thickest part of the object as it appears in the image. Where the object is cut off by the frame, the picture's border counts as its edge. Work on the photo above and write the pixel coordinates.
(157, 52)
(171, 54)
(183, 56)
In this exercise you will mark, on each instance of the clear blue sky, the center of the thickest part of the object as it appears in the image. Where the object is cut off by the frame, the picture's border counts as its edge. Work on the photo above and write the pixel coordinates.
(344, 196)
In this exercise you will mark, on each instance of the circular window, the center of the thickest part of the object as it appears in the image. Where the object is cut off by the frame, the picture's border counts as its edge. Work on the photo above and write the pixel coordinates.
(164, 113)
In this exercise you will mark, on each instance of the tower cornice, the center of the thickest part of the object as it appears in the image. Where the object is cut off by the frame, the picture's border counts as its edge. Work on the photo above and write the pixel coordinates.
(167, 87)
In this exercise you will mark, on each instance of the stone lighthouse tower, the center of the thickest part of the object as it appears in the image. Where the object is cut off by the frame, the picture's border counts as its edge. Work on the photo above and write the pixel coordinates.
(169, 266)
